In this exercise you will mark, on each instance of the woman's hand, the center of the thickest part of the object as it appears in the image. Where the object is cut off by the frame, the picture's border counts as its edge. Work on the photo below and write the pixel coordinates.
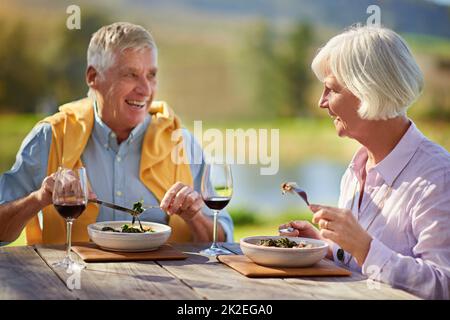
(301, 228)
(182, 200)
(341, 227)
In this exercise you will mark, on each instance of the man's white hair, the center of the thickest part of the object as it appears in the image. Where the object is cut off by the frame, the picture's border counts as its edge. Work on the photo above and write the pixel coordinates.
(113, 39)
(376, 65)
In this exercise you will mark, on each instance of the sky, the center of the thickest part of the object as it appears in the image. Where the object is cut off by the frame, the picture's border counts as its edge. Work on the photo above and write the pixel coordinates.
(447, 2)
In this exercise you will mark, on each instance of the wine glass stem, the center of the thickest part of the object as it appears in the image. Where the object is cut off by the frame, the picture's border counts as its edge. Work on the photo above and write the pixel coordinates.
(69, 237)
(216, 213)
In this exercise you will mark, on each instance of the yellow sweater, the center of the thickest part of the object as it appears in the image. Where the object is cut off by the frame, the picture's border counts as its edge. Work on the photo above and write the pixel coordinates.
(71, 129)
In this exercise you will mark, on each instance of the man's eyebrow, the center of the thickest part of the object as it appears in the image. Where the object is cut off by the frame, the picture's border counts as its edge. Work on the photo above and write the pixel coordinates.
(133, 69)
(128, 69)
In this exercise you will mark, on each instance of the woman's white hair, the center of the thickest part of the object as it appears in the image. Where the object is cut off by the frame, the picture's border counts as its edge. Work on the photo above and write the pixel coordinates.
(376, 65)
(113, 39)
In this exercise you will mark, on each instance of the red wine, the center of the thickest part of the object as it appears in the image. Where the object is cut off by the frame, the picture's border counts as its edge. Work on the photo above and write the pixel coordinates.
(217, 203)
(70, 211)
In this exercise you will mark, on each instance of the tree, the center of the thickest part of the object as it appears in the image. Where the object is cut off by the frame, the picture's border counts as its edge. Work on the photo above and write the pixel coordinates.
(67, 68)
(268, 79)
(296, 69)
(281, 67)
(21, 74)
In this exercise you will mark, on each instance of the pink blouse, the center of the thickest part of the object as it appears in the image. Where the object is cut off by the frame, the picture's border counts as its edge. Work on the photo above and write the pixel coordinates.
(406, 205)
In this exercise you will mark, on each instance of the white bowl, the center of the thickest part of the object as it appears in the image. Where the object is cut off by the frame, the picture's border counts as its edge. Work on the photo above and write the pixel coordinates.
(129, 242)
(284, 257)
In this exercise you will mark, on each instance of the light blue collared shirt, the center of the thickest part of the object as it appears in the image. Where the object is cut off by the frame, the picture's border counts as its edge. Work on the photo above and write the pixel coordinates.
(112, 169)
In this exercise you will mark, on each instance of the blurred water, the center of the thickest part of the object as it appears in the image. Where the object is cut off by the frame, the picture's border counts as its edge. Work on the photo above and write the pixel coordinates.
(320, 178)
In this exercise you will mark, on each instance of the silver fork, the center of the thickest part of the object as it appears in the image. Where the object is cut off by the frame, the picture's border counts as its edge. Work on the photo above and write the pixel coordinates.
(286, 230)
(293, 187)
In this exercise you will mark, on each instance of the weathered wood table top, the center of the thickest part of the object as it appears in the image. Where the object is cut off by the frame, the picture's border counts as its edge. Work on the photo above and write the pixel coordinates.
(26, 273)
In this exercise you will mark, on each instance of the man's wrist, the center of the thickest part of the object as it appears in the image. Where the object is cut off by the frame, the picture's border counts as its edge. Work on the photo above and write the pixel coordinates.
(195, 219)
(37, 200)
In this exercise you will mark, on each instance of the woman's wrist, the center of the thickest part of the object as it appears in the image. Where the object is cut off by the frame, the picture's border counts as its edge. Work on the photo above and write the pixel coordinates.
(330, 254)
(330, 249)
(363, 250)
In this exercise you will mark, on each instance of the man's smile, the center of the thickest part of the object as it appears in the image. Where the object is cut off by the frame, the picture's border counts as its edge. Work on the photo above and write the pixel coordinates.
(139, 104)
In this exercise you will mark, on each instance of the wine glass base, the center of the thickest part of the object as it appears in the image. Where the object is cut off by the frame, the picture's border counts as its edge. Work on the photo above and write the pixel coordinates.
(216, 251)
(68, 264)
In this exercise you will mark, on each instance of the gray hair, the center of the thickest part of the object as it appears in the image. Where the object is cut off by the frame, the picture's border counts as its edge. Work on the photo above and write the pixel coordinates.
(115, 38)
(376, 65)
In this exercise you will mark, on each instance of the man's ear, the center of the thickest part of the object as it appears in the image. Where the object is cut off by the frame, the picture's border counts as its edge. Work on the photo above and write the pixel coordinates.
(91, 77)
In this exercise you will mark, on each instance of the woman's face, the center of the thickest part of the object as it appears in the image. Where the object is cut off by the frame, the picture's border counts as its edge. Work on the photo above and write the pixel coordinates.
(342, 106)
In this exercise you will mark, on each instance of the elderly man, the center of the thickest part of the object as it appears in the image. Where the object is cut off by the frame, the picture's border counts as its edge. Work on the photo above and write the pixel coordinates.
(123, 138)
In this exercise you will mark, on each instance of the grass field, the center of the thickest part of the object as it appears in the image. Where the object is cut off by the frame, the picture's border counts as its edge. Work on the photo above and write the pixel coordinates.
(267, 226)
(13, 129)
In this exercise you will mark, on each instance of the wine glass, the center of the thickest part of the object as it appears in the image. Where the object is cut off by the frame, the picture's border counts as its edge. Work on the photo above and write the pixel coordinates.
(70, 193)
(217, 189)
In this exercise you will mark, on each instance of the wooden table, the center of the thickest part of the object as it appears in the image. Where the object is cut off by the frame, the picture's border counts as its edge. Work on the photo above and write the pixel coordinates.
(26, 273)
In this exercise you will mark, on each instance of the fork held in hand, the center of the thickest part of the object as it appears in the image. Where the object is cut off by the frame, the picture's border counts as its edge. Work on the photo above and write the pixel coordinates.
(293, 187)
(116, 207)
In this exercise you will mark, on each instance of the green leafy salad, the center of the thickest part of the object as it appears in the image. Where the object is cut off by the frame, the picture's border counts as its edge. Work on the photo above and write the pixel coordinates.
(126, 228)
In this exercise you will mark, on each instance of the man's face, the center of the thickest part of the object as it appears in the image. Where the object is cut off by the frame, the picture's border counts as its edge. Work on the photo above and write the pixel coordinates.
(127, 88)
(342, 106)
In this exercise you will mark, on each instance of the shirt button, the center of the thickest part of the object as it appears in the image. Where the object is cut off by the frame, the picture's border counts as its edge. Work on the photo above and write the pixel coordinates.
(118, 159)
(119, 193)
(113, 134)
(105, 145)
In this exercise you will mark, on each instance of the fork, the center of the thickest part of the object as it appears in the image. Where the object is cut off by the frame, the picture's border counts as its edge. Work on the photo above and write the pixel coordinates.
(293, 187)
(117, 207)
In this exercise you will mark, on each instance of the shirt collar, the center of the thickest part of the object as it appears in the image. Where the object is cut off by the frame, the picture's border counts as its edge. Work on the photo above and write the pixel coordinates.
(391, 166)
(358, 162)
(108, 138)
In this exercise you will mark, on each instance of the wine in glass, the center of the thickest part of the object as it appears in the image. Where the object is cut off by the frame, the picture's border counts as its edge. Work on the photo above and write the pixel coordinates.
(217, 189)
(70, 193)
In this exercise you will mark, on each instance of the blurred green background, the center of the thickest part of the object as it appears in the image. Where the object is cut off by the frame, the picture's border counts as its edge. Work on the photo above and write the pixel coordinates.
(232, 64)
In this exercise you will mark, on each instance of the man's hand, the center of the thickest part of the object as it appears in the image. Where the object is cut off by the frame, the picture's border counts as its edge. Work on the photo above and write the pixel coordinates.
(14, 215)
(187, 203)
(182, 200)
(341, 227)
(45, 192)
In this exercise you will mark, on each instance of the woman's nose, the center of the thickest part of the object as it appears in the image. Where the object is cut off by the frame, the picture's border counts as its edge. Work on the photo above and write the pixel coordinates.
(323, 101)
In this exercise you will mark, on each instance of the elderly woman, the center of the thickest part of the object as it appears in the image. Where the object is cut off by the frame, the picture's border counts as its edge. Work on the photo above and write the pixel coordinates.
(393, 219)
